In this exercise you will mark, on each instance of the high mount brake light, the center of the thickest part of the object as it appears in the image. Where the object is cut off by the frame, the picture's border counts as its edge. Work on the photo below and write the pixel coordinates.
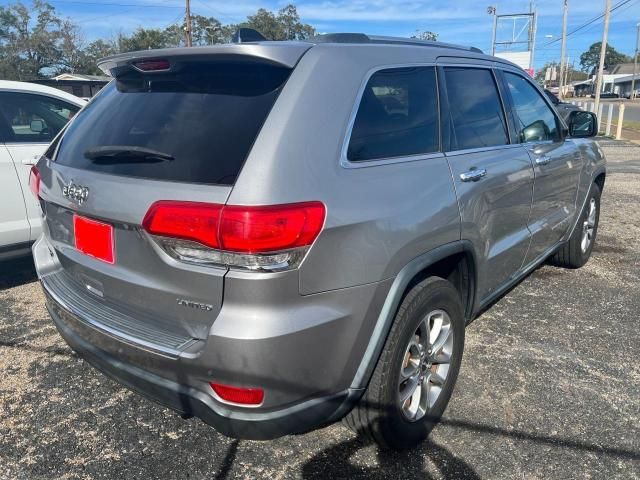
(274, 237)
(152, 65)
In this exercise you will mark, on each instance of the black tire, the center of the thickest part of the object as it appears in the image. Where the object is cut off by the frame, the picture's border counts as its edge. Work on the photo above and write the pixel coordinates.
(378, 415)
(571, 254)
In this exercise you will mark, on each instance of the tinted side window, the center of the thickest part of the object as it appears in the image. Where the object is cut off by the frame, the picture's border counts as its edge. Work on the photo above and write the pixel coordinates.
(397, 116)
(476, 112)
(534, 118)
(34, 118)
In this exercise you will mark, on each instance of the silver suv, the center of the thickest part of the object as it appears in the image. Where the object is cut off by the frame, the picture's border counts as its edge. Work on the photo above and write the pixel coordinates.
(274, 236)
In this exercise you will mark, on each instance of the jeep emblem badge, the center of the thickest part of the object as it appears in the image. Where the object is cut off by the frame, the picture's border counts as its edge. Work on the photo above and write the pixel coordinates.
(75, 193)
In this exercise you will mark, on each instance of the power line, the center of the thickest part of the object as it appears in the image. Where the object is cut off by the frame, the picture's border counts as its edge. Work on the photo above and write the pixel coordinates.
(111, 4)
(586, 24)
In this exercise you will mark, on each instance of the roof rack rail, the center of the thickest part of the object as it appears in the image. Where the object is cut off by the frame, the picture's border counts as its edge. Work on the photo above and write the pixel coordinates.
(363, 38)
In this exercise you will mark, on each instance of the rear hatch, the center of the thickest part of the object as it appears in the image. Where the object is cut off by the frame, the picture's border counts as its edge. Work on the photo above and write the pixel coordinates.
(171, 127)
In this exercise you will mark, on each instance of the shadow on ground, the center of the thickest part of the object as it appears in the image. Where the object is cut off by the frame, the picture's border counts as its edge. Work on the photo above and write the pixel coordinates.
(14, 273)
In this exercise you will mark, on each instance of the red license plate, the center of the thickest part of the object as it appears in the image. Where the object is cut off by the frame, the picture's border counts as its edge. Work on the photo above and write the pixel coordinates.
(94, 238)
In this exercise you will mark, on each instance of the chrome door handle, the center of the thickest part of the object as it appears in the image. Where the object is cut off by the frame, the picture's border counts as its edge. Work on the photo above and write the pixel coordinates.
(543, 160)
(473, 175)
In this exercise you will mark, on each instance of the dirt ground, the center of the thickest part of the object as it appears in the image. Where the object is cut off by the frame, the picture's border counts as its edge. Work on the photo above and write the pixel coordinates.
(549, 388)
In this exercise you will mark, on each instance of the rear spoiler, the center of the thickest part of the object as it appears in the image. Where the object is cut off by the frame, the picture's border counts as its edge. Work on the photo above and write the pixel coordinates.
(284, 54)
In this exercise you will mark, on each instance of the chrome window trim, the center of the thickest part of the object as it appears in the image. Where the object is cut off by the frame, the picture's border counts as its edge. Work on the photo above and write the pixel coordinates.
(465, 151)
(344, 160)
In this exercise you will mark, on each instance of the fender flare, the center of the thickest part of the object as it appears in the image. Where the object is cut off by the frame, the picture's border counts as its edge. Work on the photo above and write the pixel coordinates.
(596, 173)
(392, 302)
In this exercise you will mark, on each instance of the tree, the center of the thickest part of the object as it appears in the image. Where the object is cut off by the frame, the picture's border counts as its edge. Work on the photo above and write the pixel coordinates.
(591, 58)
(425, 35)
(572, 74)
(30, 40)
(35, 42)
(204, 31)
(144, 39)
(285, 25)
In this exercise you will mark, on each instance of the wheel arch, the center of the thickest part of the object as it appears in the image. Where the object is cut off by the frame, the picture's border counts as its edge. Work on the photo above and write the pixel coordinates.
(599, 180)
(454, 261)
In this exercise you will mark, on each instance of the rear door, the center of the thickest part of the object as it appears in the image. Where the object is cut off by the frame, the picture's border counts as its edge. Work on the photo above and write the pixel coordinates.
(34, 120)
(201, 118)
(493, 178)
(557, 163)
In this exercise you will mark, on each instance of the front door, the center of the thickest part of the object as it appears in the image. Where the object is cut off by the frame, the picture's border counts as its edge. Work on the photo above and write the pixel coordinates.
(493, 178)
(557, 165)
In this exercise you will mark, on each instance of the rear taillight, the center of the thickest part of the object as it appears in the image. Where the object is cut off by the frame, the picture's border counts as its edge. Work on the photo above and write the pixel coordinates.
(34, 181)
(251, 237)
(239, 395)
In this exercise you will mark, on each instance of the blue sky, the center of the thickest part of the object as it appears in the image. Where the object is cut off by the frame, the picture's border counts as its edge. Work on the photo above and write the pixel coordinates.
(457, 21)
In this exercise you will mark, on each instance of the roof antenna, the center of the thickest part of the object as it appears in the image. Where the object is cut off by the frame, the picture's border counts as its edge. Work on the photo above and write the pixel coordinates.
(244, 35)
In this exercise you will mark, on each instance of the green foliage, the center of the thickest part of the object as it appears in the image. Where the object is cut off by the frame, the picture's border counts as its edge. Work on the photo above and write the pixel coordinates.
(591, 58)
(425, 35)
(285, 25)
(573, 75)
(36, 42)
(31, 40)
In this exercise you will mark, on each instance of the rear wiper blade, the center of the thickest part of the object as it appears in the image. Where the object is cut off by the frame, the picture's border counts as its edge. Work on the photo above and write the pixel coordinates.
(129, 151)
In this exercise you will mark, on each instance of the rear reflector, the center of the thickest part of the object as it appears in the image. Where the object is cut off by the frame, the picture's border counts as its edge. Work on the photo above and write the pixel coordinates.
(94, 238)
(238, 395)
(34, 181)
(152, 65)
(241, 229)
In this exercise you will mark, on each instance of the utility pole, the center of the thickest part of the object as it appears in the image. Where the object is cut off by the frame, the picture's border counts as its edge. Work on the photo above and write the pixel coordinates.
(533, 27)
(187, 20)
(603, 52)
(563, 49)
(635, 63)
(491, 10)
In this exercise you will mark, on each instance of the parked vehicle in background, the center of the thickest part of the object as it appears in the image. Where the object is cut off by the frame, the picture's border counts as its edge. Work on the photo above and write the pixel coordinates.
(606, 95)
(279, 235)
(563, 108)
(31, 116)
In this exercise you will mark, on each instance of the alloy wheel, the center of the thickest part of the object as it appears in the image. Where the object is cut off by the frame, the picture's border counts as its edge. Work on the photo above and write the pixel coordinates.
(588, 226)
(425, 365)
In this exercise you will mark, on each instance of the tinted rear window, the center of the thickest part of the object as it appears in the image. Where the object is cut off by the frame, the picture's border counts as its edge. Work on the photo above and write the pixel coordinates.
(206, 116)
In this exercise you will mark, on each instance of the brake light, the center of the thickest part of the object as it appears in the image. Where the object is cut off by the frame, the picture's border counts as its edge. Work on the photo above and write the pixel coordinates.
(34, 181)
(269, 229)
(185, 220)
(256, 237)
(152, 65)
(239, 395)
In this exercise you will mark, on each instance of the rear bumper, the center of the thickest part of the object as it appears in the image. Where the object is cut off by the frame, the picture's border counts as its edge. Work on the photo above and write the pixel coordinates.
(190, 401)
(303, 351)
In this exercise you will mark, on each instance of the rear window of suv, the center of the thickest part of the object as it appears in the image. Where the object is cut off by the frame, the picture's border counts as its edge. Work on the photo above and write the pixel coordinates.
(397, 116)
(203, 119)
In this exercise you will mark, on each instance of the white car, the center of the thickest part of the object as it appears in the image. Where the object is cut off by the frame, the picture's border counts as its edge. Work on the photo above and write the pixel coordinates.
(31, 116)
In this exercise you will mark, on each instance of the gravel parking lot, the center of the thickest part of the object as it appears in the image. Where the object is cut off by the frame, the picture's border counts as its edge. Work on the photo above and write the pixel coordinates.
(549, 388)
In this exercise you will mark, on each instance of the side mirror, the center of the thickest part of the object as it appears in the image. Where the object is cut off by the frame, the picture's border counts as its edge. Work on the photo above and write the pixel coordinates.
(36, 126)
(582, 124)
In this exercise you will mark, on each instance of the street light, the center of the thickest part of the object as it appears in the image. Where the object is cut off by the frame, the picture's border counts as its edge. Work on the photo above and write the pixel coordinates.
(211, 35)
